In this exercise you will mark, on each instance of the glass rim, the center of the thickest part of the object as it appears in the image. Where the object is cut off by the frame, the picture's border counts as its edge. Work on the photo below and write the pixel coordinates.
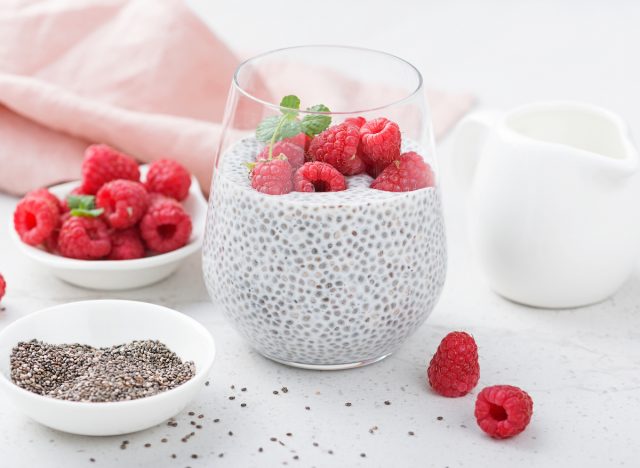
(277, 107)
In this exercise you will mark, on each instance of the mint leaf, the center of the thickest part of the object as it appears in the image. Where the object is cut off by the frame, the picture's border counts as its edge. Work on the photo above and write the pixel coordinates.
(312, 124)
(93, 213)
(289, 129)
(81, 202)
(290, 102)
(267, 127)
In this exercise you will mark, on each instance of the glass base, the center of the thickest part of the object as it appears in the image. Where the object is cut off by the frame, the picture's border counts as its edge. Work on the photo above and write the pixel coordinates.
(327, 367)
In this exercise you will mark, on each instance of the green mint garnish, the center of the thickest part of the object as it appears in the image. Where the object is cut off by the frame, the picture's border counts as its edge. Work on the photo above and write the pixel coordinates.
(83, 205)
(287, 125)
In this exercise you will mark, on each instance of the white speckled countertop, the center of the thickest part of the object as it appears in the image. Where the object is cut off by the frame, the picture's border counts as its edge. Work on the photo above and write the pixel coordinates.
(582, 367)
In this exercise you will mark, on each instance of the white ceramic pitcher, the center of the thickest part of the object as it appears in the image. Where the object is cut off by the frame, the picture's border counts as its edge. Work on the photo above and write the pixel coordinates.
(554, 212)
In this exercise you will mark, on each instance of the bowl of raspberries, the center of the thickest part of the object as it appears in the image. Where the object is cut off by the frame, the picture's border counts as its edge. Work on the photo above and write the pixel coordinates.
(122, 226)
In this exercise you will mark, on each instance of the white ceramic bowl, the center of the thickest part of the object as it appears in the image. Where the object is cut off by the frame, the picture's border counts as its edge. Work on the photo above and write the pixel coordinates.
(107, 323)
(110, 275)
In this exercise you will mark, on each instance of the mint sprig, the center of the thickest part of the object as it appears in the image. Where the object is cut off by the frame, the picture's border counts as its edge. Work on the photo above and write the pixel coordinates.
(83, 205)
(287, 125)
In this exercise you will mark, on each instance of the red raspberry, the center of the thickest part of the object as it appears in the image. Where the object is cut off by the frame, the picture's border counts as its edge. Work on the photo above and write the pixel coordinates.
(3, 286)
(293, 153)
(409, 172)
(379, 144)
(357, 121)
(44, 193)
(124, 202)
(165, 226)
(454, 369)
(169, 178)
(126, 245)
(338, 146)
(103, 164)
(51, 242)
(84, 238)
(318, 177)
(272, 177)
(503, 411)
(301, 139)
(35, 218)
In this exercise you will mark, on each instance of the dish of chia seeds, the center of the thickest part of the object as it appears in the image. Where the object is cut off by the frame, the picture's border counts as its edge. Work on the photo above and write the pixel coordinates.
(77, 372)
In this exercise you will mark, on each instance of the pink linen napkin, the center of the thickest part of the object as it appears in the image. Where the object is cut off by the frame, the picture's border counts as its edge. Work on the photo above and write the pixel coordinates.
(143, 76)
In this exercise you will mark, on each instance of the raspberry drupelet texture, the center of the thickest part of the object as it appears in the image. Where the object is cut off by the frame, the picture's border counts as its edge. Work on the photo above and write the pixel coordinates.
(124, 202)
(44, 193)
(503, 411)
(338, 146)
(380, 141)
(272, 176)
(357, 121)
(454, 369)
(169, 178)
(293, 153)
(126, 244)
(165, 226)
(3, 287)
(408, 172)
(35, 219)
(318, 177)
(103, 164)
(84, 238)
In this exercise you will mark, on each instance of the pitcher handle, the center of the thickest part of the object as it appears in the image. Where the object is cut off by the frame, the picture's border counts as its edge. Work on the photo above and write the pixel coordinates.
(468, 139)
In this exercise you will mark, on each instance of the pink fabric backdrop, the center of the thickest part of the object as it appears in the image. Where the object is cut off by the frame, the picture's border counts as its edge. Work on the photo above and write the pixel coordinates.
(144, 76)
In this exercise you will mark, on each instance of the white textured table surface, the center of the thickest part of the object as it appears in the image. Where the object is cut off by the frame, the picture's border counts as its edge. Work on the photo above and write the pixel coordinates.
(582, 367)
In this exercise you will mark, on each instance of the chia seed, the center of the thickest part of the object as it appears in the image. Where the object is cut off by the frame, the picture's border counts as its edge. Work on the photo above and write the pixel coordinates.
(77, 372)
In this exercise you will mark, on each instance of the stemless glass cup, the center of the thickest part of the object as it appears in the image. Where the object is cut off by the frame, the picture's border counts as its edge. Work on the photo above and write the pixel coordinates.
(324, 280)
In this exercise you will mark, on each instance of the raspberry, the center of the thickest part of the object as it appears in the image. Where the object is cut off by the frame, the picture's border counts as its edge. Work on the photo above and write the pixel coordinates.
(272, 177)
(318, 177)
(357, 121)
(454, 369)
(301, 139)
(44, 193)
(84, 238)
(169, 178)
(3, 286)
(165, 226)
(126, 245)
(379, 144)
(338, 146)
(409, 172)
(35, 218)
(503, 411)
(293, 153)
(103, 164)
(124, 202)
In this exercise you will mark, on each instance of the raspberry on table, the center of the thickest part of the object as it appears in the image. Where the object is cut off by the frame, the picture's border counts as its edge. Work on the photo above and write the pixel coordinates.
(293, 153)
(380, 141)
(503, 411)
(35, 218)
(409, 172)
(165, 226)
(338, 146)
(3, 286)
(272, 177)
(84, 238)
(169, 178)
(318, 177)
(124, 202)
(126, 244)
(454, 369)
(103, 164)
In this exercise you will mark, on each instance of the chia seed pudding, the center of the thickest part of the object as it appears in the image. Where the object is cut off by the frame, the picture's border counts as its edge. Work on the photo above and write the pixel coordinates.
(322, 279)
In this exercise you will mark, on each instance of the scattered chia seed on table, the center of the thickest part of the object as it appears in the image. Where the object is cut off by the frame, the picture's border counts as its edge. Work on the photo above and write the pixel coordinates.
(77, 372)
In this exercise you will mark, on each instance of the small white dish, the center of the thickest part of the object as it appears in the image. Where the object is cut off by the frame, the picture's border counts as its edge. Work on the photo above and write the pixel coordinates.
(107, 323)
(109, 275)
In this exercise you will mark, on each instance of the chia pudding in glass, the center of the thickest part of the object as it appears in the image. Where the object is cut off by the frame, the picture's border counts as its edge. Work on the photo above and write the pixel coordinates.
(325, 243)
